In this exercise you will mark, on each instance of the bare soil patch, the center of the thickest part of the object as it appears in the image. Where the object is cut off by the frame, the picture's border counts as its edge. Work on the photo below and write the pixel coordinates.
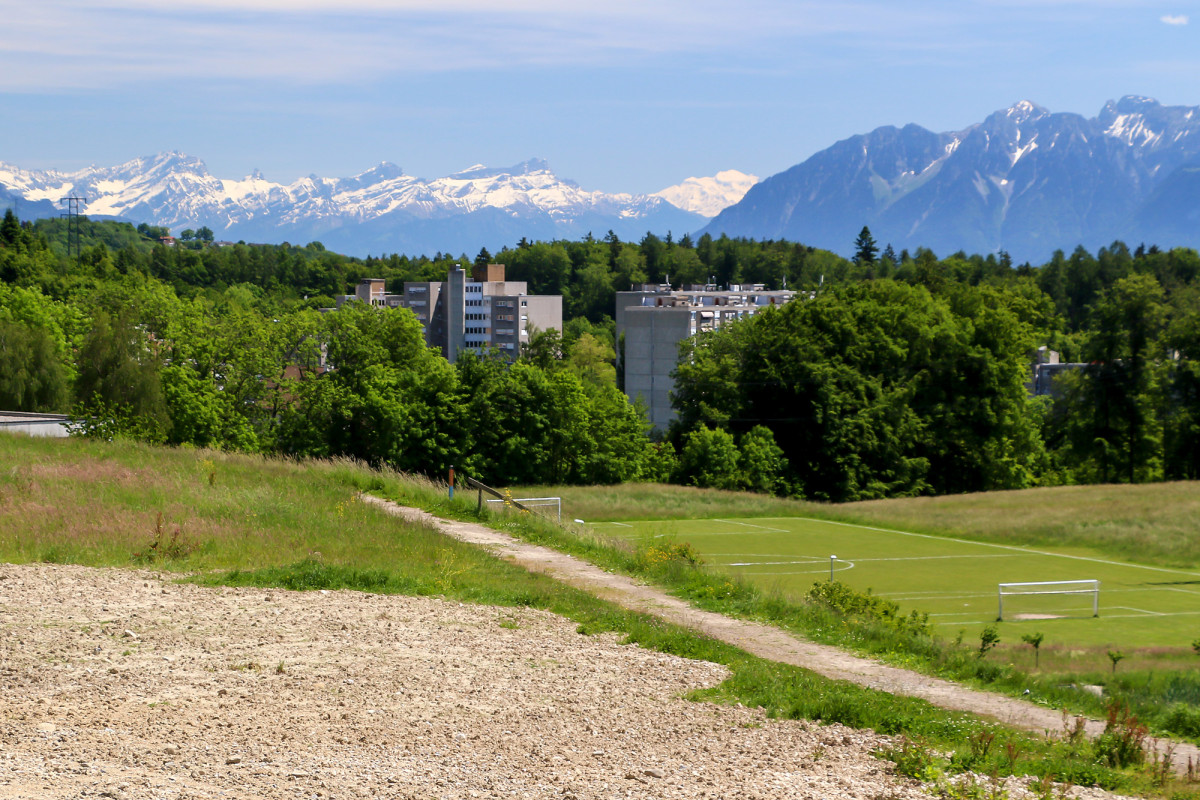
(118, 684)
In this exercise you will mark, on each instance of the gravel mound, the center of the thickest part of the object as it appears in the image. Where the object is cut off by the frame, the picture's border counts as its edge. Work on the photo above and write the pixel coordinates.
(118, 684)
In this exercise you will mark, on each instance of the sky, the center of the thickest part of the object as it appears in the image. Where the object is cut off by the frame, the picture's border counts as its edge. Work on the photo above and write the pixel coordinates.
(619, 96)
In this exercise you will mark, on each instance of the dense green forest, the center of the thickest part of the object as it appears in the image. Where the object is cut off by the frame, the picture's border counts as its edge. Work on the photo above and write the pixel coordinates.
(900, 374)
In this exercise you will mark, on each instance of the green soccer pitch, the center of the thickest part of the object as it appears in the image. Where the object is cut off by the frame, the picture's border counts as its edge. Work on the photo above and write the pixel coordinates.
(953, 580)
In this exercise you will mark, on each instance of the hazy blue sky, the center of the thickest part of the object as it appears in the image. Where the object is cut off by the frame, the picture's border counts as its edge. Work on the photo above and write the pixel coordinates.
(624, 95)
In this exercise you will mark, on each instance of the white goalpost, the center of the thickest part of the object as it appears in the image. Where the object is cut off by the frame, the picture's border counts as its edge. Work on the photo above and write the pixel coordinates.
(543, 505)
(1037, 588)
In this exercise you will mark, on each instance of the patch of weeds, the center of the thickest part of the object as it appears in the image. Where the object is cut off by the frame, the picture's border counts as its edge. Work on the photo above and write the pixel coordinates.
(980, 744)
(1162, 766)
(971, 787)
(54, 554)
(1074, 731)
(913, 758)
(246, 666)
(1123, 743)
(164, 546)
(509, 623)
(866, 606)
(659, 555)
(281, 668)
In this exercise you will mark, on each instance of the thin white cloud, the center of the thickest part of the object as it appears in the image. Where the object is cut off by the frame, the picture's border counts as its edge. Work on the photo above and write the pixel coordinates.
(64, 44)
(1174, 19)
(53, 45)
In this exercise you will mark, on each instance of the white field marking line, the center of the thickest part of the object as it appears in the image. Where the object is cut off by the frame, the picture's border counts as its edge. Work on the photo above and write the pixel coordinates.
(940, 596)
(824, 561)
(899, 595)
(792, 572)
(751, 525)
(1142, 611)
(934, 558)
(843, 560)
(803, 556)
(1173, 589)
(1139, 616)
(999, 546)
(707, 533)
(824, 570)
(1103, 616)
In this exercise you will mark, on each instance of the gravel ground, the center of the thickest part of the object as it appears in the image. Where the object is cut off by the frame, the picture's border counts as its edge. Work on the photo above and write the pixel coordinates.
(117, 684)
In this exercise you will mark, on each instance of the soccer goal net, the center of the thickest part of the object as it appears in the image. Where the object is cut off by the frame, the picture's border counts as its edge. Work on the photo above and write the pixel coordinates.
(1048, 600)
(550, 506)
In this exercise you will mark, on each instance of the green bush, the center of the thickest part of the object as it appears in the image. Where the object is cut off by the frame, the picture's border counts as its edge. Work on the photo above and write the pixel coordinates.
(866, 606)
(1182, 719)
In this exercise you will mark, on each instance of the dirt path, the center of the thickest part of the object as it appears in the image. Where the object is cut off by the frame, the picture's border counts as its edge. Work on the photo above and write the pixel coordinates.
(761, 640)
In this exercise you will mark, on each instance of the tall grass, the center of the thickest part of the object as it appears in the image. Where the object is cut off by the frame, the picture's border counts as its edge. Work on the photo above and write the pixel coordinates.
(228, 519)
(1145, 523)
(1152, 523)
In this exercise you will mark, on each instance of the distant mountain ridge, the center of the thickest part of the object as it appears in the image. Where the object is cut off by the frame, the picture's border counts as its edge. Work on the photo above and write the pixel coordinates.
(709, 196)
(378, 211)
(1024, 180)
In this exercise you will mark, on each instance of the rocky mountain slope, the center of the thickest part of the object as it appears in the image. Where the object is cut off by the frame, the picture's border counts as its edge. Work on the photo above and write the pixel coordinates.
(1024, 180)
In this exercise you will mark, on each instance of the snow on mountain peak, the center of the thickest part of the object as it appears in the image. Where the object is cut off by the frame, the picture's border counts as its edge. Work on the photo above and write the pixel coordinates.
(1025, 110)
(532, 166)
(709, 196)
(176, 190)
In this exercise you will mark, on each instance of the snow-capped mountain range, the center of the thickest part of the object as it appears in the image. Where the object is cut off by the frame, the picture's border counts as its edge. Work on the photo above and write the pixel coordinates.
(1024, 180)
(709, 196)
(378, 211)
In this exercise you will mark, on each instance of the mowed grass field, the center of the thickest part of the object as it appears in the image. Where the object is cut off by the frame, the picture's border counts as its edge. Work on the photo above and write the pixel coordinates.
(953, 580)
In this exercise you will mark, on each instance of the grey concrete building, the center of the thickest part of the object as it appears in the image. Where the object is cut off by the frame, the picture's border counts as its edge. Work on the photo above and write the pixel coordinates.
(457, 314)
(33, 424)
(1047, 366)
(653, 319)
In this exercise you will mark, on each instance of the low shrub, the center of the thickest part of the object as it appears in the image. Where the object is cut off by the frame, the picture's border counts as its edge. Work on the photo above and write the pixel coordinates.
(863, 606)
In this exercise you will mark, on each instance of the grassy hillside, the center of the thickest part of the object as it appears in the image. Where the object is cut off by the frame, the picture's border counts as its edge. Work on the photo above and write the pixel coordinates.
(230, 519)
(1148, 523)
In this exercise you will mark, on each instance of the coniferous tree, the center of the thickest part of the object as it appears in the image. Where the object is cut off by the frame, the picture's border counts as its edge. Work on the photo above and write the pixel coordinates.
(865, 248)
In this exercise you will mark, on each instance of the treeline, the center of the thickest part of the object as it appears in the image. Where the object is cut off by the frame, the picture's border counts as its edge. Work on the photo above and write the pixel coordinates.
(234, 369)
(587, 273)
(914, 380)
(903, 374)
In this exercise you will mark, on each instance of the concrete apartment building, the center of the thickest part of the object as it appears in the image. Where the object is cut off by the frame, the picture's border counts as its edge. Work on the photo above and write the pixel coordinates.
(653, 319)
(1048, 366)
(34, 424)
(459, 314)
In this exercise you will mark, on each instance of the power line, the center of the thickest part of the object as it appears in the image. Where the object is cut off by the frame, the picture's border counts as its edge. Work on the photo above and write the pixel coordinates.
(74, 222)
